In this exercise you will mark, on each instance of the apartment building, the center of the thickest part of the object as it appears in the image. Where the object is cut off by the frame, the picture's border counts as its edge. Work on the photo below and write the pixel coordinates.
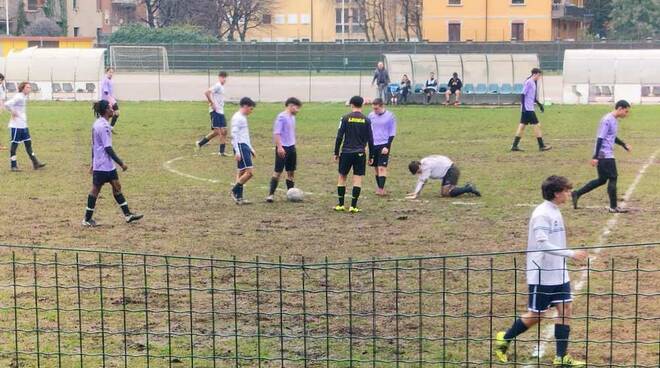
(96, 18)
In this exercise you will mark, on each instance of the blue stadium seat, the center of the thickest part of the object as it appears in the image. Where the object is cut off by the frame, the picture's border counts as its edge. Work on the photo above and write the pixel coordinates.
(394, 88)
(468, 88)
(506, 89)
(419, 87)
(518, 88)
(442, 89)
(481, 89)
(493, 88)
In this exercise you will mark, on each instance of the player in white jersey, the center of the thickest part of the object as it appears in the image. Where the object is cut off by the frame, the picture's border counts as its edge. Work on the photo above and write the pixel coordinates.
(243, 151)
(440, 168)
(3, 97)
(547, 276)
(18, 127)
(216, 98)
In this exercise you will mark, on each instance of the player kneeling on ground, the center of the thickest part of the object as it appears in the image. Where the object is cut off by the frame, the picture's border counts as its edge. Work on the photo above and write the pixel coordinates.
(19, 128)
(103, 165)
(284, 137)
(243, 151)
(547, 275)
(440, 168)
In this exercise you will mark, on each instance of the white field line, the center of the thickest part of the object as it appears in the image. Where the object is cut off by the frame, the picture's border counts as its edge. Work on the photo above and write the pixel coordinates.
(548, 331)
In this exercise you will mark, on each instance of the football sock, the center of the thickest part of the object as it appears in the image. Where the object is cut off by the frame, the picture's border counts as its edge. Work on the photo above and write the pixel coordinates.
(114, 120)
(515, 330)
(378, 182)
(540, 141)
(273, 185)
(458, 191)
(611, 192)
(203, 141)
(516, 140)
(91, 204)
(341, 192)
(121, 201)
(12, 154)
(356, 196)
(222, 148)
(561, 337)
(289, 184)
(238, 190)
(382, 182)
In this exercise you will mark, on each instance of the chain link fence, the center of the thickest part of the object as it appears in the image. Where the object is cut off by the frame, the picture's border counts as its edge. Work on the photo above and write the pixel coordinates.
(85, 308)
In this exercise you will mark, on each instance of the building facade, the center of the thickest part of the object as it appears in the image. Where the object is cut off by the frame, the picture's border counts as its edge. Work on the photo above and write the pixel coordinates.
(97, 18)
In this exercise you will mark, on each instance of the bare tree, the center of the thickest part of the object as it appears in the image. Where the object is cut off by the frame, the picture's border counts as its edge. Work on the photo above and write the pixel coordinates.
(152, 7)
(417, 11)
(244, 15)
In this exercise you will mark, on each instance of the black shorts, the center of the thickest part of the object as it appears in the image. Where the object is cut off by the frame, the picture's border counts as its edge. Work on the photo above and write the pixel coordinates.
(543, 297)
(607, 168)
(101, 177)
(354, 160)
(529, 118)
(289, 161)
(451, 177)
(218, 120)
(380, 160)
(452, 91)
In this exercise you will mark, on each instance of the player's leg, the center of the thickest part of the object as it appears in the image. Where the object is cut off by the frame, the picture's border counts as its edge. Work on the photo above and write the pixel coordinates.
(519, 133)
(447, 96)
(359, 170)
(91, 201)
(539, 138)
(290, 165)
(562, 300)
(275, 179)
(458, 97)
(611, 172)
(344, 167)
(244, 166)
(216, 124)
(222, 134)
(121, 200)
(382, 174)
(28, 148)
(603, 176)
(12, 156)
(450, 186)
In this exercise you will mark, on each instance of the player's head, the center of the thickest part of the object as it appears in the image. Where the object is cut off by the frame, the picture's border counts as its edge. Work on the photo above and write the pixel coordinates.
(25, 88)
(536, 74)
(356, 102)
(380, 65)
(222, 76)
(102, 108)
(109, 72)
(378, 105)
(293, 105)
(556, 189)
(432, 75)
(415, 167)
(2, 77)
(247, 105)
(622, 109)
(455, 75)
(405, 77)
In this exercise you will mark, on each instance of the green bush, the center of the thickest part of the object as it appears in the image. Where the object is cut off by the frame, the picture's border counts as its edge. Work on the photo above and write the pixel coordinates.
(138, 33)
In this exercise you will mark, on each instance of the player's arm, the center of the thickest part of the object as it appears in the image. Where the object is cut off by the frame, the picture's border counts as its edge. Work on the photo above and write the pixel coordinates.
(234, 142)
(622, 144)
(541, 229)
(340, 136)
(370, 140)
(375, 77)
(107, 146)
(209, 98)
(277, 137)
(9, 105)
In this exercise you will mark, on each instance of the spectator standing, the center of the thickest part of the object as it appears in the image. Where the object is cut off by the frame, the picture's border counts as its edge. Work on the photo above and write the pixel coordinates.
(381, 79)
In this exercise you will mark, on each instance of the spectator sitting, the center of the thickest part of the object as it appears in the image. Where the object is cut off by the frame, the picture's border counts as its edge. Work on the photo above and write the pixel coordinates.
(430, 87)
(395, 90)
(454, 88)
(406, 86)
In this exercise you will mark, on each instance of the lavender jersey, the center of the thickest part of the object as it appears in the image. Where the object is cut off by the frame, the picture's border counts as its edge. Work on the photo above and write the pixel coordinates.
(383, 127)
(106, 89)
(607, 130)
(529, 92)
(101, 138)
(285, 127)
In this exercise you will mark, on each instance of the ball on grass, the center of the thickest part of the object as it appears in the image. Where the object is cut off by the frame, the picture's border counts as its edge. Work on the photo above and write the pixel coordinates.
(295, 195)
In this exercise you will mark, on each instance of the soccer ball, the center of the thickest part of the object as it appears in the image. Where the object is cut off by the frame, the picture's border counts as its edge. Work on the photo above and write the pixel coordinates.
(295, 195)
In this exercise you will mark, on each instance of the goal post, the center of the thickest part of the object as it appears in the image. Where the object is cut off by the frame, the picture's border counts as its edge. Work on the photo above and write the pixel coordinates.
(139, 58)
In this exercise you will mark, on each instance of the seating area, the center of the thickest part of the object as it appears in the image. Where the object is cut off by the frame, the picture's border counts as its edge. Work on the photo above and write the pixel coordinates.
(489, 94)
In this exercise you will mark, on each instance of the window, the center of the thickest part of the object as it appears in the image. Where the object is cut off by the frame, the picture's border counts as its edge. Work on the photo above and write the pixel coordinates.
(517, 2)
(278, 19)
(75, 4)
(454, 2)
(34, 4)
(518, 31)
(266, 19)
(454, 32)
(292, 19)
(76, 31)
(304, 19)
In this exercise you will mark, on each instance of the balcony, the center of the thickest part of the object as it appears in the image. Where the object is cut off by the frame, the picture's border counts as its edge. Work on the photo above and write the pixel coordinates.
(127, 3)
(568, 11)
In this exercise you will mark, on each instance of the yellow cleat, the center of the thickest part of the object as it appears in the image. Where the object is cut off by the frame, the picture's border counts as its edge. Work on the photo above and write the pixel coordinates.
(339, 208)
(501, 346)
(354, 210)
(567, 361)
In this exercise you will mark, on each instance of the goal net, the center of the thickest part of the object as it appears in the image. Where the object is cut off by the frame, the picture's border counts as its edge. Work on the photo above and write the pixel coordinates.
(139, 58)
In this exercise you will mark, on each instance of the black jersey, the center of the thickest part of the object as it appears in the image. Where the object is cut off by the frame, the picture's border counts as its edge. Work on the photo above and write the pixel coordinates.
(355, 133)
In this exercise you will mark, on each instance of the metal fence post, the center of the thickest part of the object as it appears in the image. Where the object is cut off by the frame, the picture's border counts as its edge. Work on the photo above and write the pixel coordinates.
(101, 304)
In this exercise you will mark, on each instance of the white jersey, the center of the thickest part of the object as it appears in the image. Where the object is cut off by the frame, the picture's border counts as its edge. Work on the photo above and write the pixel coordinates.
(16, 106)
(433, 167)
(546, 262)
(239, 131)
(3, 92)
(218, 97)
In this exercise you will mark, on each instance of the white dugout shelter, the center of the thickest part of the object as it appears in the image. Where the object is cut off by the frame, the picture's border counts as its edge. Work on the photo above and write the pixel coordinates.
(611, 75)
(55, 74)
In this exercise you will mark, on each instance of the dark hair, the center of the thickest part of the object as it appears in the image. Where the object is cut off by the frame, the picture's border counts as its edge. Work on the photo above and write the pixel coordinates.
(108, 69)
(553, 185)
(414, 166)
(22, 86)
(293, 101)
(536, 71)
(100, 107)
(622, 104)
(2, 76)
(247, 101)
(223, 74)
(356, 101)
(455, 75)
(378, 102)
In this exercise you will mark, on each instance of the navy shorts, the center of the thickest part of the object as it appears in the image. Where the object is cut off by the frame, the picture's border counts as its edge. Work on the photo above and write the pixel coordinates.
(353, 160)
(529, 118)
(218, 120)
(543, 297)
(380, 160)
(289, 162)
(19, 135)
(246, 157)
(451, 177)
(101, 177)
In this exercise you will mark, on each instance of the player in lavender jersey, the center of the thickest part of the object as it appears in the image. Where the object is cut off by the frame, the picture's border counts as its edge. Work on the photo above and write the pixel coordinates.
(108, 94)
(103, 165)
(284, 138)
(603, 158)
(383, 129)
(528, 115)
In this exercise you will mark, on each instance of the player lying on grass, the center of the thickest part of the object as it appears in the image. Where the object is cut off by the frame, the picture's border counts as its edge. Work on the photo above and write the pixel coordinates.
(243, 151)
(284, 137)
(383, 128)
(216, 98)
(18, 127)
(103, 168)
(440, 168)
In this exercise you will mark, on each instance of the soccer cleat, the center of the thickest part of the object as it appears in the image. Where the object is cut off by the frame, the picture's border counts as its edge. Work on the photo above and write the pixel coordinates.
(516, 149)
(545, 148)
(38, 165)
(354, 210)
(236, 198)
(223, 154)
(244, 201)
(198, 147)
(574, 198)
(15, 169)
(133, 217)
(90, 223)
(618, 210)
(270, 198)
(501, 346)
(474, 189)
(339, 208)
(567, 361)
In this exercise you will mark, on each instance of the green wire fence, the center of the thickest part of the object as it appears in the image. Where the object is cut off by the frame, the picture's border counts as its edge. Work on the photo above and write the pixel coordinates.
(86, 308)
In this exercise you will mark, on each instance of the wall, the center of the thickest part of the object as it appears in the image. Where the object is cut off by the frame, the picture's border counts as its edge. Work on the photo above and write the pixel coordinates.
(318, 24)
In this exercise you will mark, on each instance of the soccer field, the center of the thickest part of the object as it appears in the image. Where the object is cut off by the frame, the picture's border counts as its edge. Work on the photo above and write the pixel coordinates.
(188, 210)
